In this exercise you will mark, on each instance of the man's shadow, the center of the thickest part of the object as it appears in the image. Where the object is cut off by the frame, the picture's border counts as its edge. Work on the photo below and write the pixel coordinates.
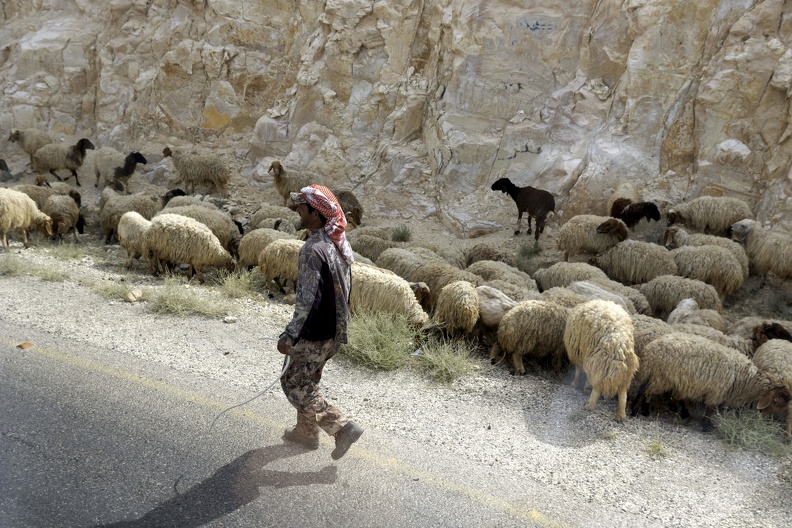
(229, 488)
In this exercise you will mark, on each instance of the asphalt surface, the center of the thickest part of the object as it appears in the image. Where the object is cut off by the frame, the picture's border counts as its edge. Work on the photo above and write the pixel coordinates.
(89, 439)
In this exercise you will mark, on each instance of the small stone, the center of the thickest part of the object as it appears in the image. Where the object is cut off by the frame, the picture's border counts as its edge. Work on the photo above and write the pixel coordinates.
(230, 319)
(130, 297)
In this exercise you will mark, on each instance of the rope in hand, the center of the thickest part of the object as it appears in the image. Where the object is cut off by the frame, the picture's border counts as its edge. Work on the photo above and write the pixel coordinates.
(286, 364)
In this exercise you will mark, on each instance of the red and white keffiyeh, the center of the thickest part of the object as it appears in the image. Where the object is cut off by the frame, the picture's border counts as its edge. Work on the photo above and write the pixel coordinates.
(323, 200)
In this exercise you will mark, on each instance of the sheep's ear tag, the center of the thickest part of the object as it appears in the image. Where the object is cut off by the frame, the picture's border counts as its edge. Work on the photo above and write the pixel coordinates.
(25, 345)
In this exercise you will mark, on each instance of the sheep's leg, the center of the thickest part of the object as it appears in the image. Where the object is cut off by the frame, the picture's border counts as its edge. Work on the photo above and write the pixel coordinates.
(576, 381)
(640, 399)
(5, 241)
(540, 225)
(76, 240)
(529, 225)
(494, 352)
(621, 409)
(52, 171)
(25, 239)
(76, 179)
(199, 273)
(519, 221)
(592, 403)
(517, 361)
(706, 418)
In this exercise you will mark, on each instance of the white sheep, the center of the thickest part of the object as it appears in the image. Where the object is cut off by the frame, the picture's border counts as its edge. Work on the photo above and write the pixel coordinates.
(775, 357)
(131, 231)
(694, 368)
(113, 165)
(287, 184)
(115, 205)
(457, 309)
(54, 156)
(677, 236)
(220, 222)
(712, 215)
(535, 329)
(562, 273)
(714, 265)
(743, 346)
(493, 305)
(564, 297)
(688, 311)
(378, 290)
(371, 246)
(487, 252)
(745, 327)
(599, 341)
(174, 239)
(626, 292)
(39, 194)
(514, 291)
(590, 234)
(187, 200)
(646, 329)
(491, 270)
(19, 211)
(64, 210)
(30, 139)
(665, 292)
(636, 262)
(279, 261)
(266, 211)
(199, 168)
(768, 251)
(593, 291)
(251, 245)
(404, 262)
(438, 274)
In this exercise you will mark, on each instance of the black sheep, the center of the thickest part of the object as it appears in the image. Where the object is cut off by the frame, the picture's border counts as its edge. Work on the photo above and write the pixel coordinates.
(123, 173)
(536, 202)
(631, 213)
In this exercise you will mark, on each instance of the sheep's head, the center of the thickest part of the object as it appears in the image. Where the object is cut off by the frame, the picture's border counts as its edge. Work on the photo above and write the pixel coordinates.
(651, 211)
(673, 217)
(167, 152)
(85, 144)
(741, 229)
(615, 228)
(420, 289)
(501, 185)
(670, 236)
(42, 181)
(776, 402)
(76, 197)
(172, 194)
(764, 332)
(44, 224)
(276, 168)
(14, 135)
(619, 205)
(137, 157)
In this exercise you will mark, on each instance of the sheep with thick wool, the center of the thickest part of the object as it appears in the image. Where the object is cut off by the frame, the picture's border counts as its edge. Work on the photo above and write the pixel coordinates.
(199, 168)
(378, 290)
(665, 292)
(55, 156)
(38, 193)
(64, 210)
(590, 234)
(491, 270)
(768, 251)
(646, 329)
(404, 262)
(636, 262)
(220, 222)
(562, 273)
(714, 265)
(371, 246)
(19, 211)
(745, 327)
(174, 239)
(775, 357)
(535, 329)
(267, 211)
(457, 309)
(279, 261)
(253, 243)
(687, 311)
(711, 215)
(626, 292)
(116, 205)
(694, 368)
(487, 252)
(743, 346)
(110, 164)
(564, 297)
(677, 236)
(30, 139)
(188, 200)
(599, 341)
(350, 205)
(436, 275)
(131, 231)
(591, 291)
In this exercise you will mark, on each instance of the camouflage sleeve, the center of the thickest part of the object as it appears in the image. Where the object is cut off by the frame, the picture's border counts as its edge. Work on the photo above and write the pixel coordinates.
(310, 267)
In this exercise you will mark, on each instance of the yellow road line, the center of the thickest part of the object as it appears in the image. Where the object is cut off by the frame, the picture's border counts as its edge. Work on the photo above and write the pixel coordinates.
(388, 463)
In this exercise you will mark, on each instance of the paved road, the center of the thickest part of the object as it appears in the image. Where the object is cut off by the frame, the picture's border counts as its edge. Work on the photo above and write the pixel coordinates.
(88, 439)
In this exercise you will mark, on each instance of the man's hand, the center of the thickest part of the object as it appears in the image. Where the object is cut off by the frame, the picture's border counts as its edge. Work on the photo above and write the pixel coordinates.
(284, 347)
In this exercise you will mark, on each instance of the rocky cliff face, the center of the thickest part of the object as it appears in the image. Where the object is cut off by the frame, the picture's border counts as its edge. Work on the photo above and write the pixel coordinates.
(419, 105)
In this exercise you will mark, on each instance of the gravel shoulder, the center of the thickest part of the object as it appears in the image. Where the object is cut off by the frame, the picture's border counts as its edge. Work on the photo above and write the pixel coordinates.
(532, 425)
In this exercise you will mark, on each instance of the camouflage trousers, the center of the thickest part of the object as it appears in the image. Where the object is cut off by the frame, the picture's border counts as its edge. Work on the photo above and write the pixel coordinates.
(300, 384)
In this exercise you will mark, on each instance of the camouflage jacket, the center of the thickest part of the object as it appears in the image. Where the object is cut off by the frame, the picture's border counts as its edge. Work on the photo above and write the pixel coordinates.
(323, 283)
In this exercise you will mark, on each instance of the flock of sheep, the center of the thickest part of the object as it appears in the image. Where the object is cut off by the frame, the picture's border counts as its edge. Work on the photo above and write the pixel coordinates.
(624, 312)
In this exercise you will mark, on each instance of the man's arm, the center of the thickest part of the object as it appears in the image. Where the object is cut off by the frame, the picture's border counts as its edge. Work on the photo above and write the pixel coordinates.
(308, 282)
